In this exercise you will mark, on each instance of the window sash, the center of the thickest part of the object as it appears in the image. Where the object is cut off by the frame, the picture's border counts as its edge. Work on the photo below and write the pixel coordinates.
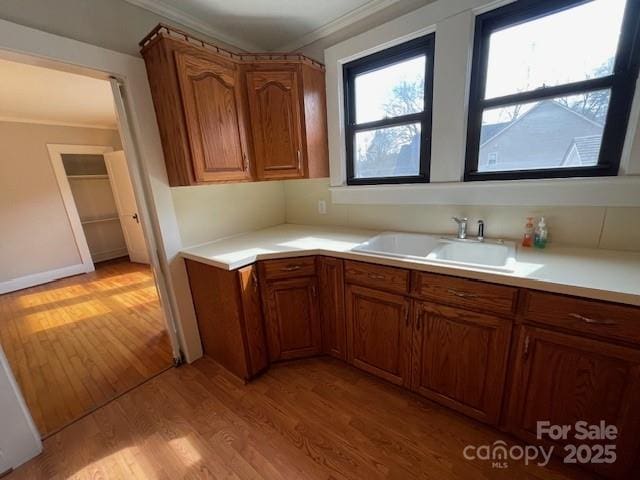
(420, 46)
(621, 83)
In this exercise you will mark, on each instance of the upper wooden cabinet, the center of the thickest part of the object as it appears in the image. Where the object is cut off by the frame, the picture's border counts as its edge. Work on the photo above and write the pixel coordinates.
(227, 117)
(213, 113)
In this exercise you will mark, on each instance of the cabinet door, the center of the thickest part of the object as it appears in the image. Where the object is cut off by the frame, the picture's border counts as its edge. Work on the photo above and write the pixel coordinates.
(459, 359)
(564, 379)
(276, 121)
(378, 333)
(293, 319)
(331, 280)
(211, 96)
(256, 345)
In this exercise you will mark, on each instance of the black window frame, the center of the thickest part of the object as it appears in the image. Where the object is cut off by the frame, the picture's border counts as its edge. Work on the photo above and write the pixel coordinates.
(420, 46)
(621, 82)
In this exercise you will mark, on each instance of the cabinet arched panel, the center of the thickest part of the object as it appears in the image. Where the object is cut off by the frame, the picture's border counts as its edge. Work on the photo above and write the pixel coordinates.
(213, 113)
(276, 119)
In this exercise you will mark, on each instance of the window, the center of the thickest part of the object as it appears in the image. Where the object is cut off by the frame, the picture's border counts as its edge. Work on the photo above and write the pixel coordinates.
(388, 114)
(551, 88)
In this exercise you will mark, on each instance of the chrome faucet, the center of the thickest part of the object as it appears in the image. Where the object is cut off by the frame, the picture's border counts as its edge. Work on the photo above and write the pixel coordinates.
(481, 230)
(462, 227)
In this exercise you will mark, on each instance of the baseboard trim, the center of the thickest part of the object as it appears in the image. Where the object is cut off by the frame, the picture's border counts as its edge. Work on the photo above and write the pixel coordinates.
(109, 254)
(40, 278)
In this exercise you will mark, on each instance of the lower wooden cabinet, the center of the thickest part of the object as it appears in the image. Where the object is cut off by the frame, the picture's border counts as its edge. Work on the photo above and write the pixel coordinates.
(334, 328)
(227, 305)
(292, 318)
(379, 333)
(573, 360)
(564, 379)
(459, 358)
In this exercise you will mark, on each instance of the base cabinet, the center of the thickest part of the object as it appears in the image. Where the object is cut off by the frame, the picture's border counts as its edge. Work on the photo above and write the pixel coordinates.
(572, 360)
(292, 318)
(564, 379)
(227, 305)
(379, 333)
(334, 328)
(459, 359)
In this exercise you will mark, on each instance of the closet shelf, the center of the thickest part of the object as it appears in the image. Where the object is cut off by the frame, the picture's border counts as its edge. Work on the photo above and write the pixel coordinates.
(88, 177)
(99, 220)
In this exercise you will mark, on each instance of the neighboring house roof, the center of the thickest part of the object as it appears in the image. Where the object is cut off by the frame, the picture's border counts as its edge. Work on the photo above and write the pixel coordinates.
(542, 137)
(586, 149)
(491, 130)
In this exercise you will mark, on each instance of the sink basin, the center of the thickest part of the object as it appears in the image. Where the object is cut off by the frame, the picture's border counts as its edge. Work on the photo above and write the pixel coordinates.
(400, 245)
(491, 255)
(488, 254)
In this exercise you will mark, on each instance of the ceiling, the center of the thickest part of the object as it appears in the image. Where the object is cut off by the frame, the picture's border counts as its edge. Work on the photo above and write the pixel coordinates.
(41, 95)
(265, 25)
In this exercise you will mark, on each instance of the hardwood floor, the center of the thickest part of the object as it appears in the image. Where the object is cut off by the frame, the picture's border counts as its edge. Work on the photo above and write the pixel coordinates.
(76, 343)
(309, 419)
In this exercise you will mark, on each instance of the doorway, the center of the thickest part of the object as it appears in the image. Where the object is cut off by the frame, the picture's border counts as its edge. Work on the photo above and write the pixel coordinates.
(83, 317)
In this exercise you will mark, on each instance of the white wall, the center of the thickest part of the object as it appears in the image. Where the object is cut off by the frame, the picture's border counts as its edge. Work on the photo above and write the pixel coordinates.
(453, 23)
(616, 228)
(113, 24)
(36, 235)
(594, 213)
(19, 439)
(207, 213)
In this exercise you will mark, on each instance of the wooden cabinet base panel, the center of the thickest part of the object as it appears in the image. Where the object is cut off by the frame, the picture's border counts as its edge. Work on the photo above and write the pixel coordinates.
(447, 339)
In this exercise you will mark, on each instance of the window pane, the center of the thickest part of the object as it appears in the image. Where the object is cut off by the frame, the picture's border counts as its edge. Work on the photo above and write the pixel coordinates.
(391, 91)
(555, 133)
(388, 152)
(568, 46)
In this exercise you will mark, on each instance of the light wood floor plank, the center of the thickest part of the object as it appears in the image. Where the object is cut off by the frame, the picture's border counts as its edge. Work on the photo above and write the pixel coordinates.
(316, 419)
(78, 342)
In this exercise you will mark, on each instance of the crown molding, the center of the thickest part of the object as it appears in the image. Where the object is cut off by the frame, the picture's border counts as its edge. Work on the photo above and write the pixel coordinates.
(339, 23)
(171, 13)
(57, 123)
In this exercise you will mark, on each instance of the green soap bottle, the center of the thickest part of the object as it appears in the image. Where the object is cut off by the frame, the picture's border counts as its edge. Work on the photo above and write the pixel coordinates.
(540, 235)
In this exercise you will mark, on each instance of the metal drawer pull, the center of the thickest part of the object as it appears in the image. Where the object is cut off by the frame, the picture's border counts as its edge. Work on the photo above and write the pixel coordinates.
(460, 294)
(592, 321)
(374, 276)
(291, 268)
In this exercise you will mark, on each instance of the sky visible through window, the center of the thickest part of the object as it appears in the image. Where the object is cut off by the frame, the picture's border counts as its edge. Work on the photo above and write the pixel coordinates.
(569, 46)
(374, 90)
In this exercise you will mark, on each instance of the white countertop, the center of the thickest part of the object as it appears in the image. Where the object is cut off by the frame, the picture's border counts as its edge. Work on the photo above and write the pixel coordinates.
(600, 274)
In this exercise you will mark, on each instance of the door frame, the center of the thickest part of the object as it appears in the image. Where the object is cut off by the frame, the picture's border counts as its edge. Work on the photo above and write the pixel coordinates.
(36, 47)
(55, 155)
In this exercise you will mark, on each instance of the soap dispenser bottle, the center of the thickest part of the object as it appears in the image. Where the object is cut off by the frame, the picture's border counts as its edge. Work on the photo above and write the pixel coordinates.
(527, 238)
(541, 233)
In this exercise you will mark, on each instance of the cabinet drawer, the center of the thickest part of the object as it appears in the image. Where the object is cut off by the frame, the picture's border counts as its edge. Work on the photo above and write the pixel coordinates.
(389, 279)
(607, 320)
(466, 293)
(288, 268)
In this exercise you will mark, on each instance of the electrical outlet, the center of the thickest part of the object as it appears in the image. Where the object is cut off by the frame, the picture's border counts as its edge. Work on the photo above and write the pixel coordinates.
(322, 207)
